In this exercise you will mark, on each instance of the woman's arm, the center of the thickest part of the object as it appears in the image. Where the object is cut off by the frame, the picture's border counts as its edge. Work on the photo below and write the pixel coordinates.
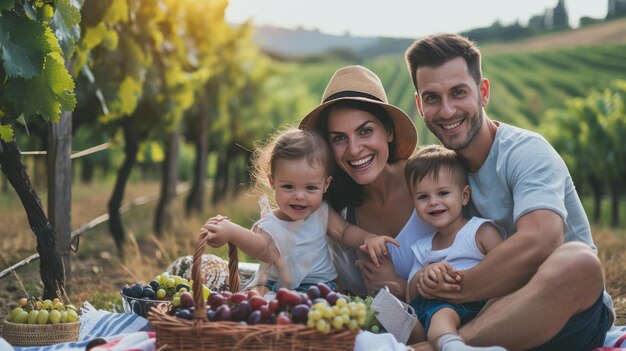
(353, 236)
(377, 277)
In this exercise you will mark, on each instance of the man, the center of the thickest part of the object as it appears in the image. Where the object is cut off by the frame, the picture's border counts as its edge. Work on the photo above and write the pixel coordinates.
(545, 281)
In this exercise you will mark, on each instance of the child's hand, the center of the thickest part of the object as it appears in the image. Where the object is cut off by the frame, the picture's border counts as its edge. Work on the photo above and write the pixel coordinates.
(439, 273)
(217, 230)
(375, 246)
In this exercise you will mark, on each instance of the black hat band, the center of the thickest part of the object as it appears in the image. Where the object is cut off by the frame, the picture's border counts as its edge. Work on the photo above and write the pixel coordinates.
(351, 94)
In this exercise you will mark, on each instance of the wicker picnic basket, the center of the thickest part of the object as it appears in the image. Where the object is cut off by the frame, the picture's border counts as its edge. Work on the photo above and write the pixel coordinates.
(18, 334)
(173, 333)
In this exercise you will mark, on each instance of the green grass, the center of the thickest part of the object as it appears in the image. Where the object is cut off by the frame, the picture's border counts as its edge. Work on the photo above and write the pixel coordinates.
(605, 212)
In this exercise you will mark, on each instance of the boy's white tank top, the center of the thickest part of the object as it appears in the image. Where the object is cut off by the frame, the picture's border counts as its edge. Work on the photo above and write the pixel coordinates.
(462, 254)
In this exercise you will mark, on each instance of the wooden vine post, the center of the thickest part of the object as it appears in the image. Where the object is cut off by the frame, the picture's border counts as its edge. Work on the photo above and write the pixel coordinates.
(60, 188)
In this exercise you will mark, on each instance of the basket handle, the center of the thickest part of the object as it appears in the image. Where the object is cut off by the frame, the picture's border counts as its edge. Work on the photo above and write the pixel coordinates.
(199, 278)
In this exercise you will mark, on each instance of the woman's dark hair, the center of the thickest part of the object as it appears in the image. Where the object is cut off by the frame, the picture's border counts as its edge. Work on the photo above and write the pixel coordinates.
(343, 190)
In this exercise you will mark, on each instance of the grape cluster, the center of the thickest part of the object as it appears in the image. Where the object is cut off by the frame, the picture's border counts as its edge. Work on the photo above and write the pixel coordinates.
(37, 311)
(371, 323)
(319, 308)
(336, 312)
(164, 287)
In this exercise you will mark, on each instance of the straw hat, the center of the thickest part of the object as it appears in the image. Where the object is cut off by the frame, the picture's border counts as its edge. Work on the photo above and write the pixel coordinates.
(359, 83)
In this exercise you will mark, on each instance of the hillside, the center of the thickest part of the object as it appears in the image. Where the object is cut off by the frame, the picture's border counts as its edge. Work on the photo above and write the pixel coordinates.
(612, 32)
(301, 42)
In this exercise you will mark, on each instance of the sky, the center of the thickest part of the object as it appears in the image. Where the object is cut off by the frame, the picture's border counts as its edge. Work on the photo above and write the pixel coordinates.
(400, 18)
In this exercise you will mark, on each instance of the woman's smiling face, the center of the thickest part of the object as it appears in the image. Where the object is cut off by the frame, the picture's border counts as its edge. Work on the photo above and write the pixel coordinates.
(360, 143)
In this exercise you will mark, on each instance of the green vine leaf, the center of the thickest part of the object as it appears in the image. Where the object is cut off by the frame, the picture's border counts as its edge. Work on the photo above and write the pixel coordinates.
(23, 45)
(6, 133)
(29, 11)
(125, 101)
(47, 94)
(6, 4)
(65, 23)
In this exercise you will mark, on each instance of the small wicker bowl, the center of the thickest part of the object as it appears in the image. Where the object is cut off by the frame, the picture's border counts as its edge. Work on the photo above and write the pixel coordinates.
(138, 305)
(18, 334)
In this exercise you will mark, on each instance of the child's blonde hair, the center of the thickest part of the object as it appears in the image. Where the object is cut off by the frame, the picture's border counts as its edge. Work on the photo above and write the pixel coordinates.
(429, 160)
(290, 144)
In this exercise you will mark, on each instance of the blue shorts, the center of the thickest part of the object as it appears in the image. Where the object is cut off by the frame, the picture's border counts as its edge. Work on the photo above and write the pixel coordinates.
(584, 331)
(425, 309)
(274, 286)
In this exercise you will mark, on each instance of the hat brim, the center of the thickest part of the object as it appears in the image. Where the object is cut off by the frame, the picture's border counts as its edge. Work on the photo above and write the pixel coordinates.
(404, 128)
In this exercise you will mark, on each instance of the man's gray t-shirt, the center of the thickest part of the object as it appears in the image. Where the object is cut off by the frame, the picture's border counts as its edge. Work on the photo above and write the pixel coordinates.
(521, 174)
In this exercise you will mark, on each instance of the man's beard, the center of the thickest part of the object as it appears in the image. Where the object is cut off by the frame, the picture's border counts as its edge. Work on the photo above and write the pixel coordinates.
(456, 144)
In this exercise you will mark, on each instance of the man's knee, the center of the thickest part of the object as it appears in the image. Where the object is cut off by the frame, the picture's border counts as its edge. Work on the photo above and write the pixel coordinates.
(573, 267)
(576, 258)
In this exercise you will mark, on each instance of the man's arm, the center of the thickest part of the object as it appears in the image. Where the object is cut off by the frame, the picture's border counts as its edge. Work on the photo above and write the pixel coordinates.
(512, 263)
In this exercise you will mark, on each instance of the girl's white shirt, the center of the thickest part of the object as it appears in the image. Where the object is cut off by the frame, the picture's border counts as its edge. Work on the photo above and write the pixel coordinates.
(302, 245)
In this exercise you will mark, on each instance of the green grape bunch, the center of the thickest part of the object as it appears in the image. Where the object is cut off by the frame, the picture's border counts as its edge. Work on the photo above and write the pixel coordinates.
(37, 311)
(370, 322)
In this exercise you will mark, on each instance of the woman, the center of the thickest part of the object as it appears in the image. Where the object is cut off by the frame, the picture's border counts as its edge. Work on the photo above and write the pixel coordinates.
(370, 140)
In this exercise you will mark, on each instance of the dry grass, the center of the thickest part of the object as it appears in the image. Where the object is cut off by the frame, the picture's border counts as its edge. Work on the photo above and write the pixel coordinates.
(612, 253)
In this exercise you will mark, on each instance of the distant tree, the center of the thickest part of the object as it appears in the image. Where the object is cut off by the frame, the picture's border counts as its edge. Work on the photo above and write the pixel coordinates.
(560, 19)
(498, 32)
(587, 21)
(537, 22)
(589, 127)
(617, 8)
